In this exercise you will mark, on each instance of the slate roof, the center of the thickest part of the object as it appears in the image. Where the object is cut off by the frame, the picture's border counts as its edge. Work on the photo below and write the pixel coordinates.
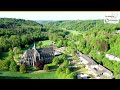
(31, 52)
(91, 62)
(94, 67)
(87, 58)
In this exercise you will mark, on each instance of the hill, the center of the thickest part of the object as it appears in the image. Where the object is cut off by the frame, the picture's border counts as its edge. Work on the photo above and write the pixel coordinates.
(19, 32)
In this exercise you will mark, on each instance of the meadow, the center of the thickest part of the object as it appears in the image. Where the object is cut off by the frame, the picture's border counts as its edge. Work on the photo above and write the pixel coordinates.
(41, 74)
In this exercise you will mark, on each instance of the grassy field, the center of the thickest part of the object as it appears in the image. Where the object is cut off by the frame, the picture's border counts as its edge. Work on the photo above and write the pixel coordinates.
(74, 32)
(45, 43)
(32, 75)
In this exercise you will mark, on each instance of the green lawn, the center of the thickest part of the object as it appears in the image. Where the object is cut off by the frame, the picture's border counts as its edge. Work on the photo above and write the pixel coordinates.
(46, 43)
(32, 75)
(74, 32)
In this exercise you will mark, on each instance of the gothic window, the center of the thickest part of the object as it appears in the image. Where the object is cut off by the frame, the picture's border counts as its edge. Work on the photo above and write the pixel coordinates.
(31, 63)
(30, 60)
(37, 58)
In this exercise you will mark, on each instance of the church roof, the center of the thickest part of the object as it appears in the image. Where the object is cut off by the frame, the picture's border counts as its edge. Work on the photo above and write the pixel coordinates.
(31, 52)
(34, 47)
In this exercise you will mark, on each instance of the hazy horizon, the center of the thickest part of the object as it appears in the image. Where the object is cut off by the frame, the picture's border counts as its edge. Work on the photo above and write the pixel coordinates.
(56, 15)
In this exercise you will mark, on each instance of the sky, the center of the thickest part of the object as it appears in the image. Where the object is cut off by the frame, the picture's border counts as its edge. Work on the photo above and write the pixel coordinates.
(56, 15)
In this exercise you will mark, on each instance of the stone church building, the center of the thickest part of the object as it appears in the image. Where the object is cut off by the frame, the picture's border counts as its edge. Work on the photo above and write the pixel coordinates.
(31, 56)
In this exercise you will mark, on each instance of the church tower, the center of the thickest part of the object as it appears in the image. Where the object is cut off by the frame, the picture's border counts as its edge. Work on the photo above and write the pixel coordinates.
(34, 47)
(34, 60)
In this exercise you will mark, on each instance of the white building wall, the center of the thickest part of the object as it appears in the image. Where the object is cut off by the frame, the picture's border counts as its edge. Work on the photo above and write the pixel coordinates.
(111, 57)
(83, 60)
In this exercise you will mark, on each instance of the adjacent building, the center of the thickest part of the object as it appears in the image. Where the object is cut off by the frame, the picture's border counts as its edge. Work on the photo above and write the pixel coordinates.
(112, 57)
(97, 70)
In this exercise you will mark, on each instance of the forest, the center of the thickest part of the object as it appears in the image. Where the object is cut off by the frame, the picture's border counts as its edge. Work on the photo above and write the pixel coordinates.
(93, 38)
(19, 32)
(17, 35)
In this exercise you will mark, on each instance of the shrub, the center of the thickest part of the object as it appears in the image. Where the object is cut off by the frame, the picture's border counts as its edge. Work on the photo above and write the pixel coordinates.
(55, 61)
(59, 44)
(59, 70)
(46, 67)
(72, 75)
(62, 75)
(40, 44)
(26, 45)
(6, 64)
(5, 68)
(23, 68)
(67, 71)
(18, 67)
(62, 58)
(39, 65)
(1, 64)
(17, 50)
(13, 66)
(69, 76)
(65, 63)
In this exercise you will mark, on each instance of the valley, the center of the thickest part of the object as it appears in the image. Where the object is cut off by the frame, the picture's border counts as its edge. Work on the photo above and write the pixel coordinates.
(92, 38)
